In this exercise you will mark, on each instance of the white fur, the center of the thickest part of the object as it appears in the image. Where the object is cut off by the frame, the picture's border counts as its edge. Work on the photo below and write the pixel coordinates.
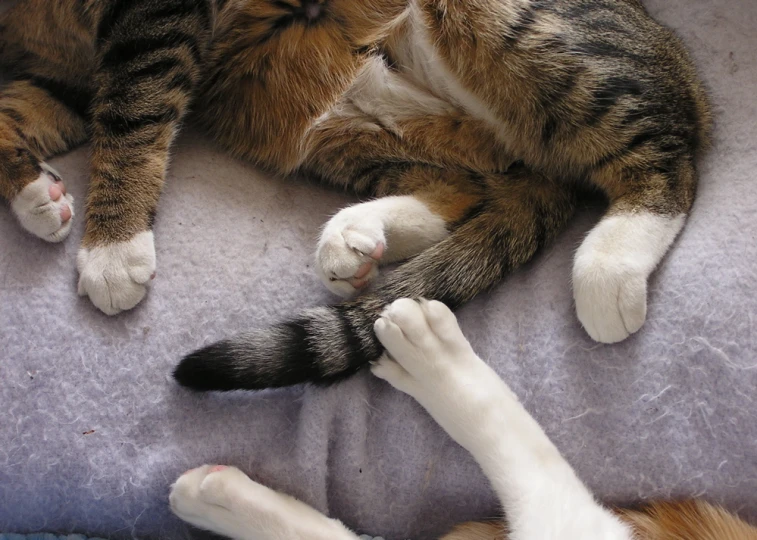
(115, 276)
(611, 270)
(419, 60)
(390, 97)
(429, 359)
(227, 502)
(405, 226)
(38, 213)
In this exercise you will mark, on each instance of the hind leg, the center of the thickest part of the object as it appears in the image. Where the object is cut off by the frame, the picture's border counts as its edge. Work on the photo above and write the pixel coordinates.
(425, 205)
(34, 125)
(614, 262)
(225, 501)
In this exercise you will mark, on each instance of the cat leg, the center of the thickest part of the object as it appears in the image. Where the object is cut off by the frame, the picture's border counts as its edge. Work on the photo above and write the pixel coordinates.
(144, 87)
(389, 229)
(226, 501)
(521, 213)
(430, 359)
(40, 116)
(613, 264)
(43, 111)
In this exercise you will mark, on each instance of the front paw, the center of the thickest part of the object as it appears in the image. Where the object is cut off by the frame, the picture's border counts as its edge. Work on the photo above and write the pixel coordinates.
(226, 501)
(115, 276)
(188, 500)
(426, 348)
(44, 208)
(200, 487)
(610, 295)
(349, 251)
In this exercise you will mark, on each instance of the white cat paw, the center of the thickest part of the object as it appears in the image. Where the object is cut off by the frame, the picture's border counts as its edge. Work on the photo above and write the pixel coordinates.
(610, 296)
(424, 343)
(194, 498)
(226, 501)
(429, 359)
(349, 251)
(44, 208)
(115, 276)
(611, 270)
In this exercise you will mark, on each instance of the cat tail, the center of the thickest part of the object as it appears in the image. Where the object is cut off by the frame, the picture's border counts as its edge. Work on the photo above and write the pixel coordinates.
(326, 344)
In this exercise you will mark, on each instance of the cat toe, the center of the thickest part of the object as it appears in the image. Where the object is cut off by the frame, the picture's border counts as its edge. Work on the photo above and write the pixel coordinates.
(393, 373)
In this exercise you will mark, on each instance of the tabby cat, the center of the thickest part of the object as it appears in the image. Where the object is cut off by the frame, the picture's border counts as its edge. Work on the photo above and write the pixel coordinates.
(474, 122)
(543, 499)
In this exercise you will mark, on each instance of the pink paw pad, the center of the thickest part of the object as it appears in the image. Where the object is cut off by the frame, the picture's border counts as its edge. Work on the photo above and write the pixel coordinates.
(363, 270)
(217, 468)
(359, 280)
(65, 213)
(378, 252)
(55, 191)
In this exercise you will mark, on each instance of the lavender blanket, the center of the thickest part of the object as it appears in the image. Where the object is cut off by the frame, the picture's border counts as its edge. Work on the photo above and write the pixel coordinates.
(93, 430)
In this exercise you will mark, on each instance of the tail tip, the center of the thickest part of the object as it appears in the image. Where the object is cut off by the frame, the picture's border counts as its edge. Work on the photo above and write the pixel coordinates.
(206, 369)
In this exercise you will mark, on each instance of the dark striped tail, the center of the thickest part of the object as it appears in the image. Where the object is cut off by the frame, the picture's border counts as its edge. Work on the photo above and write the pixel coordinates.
(327, 344)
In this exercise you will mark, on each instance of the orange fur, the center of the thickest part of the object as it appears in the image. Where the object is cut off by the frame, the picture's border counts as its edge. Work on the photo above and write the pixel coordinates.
(686, 520)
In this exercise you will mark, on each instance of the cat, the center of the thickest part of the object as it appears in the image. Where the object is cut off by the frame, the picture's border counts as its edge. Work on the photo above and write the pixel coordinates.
(429, 359)
(474, 123)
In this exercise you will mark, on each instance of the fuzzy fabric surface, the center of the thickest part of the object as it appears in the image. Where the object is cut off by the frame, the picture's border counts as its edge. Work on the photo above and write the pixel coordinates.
(93, 430)
(45, 536)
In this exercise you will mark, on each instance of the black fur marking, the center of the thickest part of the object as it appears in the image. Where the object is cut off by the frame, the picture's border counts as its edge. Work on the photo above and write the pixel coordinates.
(19, 133)
(14, 115)
(608, 95)
(369, 178)
(226, 365)
(359, 356)
(642, 139)
(604, 49)
(118, 126)
(151, 218)
(124, 15)
(122, 52)
(554, 93)
(211, 368)
(113, 16)
(308, 11)
(524, 23)
(155, 69)
(75, 99)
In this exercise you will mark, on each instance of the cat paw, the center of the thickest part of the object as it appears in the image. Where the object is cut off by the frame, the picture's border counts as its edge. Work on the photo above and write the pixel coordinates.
(424, 343)
(349, 251)
(429, 359)
(192, 499)
(610, 296)
(115, 276)
(207, 485)
(226, 501)
(44, 208)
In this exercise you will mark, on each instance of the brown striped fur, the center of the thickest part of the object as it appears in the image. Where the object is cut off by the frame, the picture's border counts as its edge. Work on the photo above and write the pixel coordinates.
(580, 93)
(270, 72)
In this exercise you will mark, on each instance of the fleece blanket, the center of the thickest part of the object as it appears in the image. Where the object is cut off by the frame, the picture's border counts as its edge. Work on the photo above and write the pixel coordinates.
(93, 430)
